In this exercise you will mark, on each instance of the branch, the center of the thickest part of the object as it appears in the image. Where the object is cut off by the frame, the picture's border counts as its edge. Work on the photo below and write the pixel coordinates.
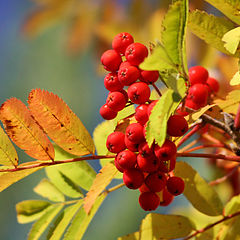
(157, 90)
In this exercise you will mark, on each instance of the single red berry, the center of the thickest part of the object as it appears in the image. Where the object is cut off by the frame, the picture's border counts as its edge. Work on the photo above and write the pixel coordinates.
(131, 145)
(112, 83)
(135, 53)
(144, 188)
(175, 185)
(145, 150)
(165, 197)
(124, 64)
(167, 166)
(167, 151)
(156, 181)
(177, 126)
(197, 74)
(150, 106)
(139, 92)
(181, 111)
(107, 113)
(148, 164)
(213, 85)
(134, 132)
(121, 41)
(120, 169)
(192, 105)
(126, 159)
(149, 77)
(128, 75)
(198, 93)
(133, 178)
(141, 113)
(111, 60)
(115, 142)
(149, 201)
(116, 101)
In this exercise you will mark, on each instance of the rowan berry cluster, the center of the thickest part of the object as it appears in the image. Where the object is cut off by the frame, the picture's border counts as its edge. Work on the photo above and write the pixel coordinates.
(144, 167)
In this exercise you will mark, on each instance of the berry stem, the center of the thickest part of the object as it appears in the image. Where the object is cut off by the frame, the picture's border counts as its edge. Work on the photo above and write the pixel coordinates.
(115, 188)
(237, 119)
(157, 90)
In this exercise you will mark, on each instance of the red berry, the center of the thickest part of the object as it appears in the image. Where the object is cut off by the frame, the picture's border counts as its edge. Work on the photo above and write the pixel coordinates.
(167, 166)
(126, 159)
(141, 113)
(165, 197)
(177, 126)
(180, 111)
(116, 101)
(131, 145)
(156, 181)
(198, 93)
(128, 75)
(145, 150)
(149, 77)
(139, 92)
(147, 164)
(191, 104)
(112, 83)
(144, 188)
(121, 41)
(111, 60)
(150, 106)
(134, 132)
(149, 201)
(175, 185)
(115, 142)
(125, 64)
(133, 178)
(135, 53)
(120, 169)
(197, 74)
(167, 151)
(213, 85)
(107, 113)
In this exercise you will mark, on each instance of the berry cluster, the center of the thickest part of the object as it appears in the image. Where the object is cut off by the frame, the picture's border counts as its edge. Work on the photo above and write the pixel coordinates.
(144, 167)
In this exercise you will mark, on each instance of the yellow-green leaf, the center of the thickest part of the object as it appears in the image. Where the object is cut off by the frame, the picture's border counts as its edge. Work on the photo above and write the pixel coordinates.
(232, 39)
(155, 226)
(231, 230)
(233, 205)
(48, 190)
(201, 195)
(8, 154)
(132, 236)
(60, 123)
(235, 79)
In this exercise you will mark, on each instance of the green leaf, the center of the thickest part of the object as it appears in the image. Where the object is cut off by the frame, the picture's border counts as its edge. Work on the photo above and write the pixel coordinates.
(40, 226)
(156, 226)
(81, 221)
(174, 33)
(63, 221)
(232, 39)
(201, 195)
(233, 205)
(236, 79)
(210, 28)
(166, 105)
(46, 189)
(30, 210)
(132, 236)
(230, 8)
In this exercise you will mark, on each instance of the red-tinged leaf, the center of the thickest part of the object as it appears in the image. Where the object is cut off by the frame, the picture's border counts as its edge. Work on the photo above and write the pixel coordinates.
(60, 123)
(8, 154)
(24, 131)
(101, 181)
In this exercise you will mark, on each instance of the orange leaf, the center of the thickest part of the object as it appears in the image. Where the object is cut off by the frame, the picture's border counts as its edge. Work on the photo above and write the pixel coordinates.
(24, 131)
(101, 181)
(60, 123)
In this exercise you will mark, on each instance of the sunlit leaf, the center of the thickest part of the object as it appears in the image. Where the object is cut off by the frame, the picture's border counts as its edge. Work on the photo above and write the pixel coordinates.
(103, 178)
(47, 190)
(155, 226)
(40, 226)
(236, 79)
(232, 39)
(60, 123)
(233, 205)
(24, 131)
(30, 210)
(132, 236)
(210, 28)
(81, 221)
(8, 154)
(201, 195)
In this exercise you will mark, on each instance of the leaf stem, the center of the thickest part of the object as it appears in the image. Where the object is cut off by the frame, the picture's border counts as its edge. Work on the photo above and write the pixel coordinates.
(115, 188)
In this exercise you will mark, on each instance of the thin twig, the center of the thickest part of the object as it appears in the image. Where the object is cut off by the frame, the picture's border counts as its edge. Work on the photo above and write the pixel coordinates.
(191, 144)
(157, 90)
(115, 188)
(204, 146)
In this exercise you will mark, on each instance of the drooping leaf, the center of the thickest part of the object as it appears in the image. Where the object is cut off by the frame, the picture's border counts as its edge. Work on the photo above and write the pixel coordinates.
(8, 154)
(198, 192)
(63, 220)
(167, 104)
(230, 104)
(155, 226)
(24, 131)
(60, 123)
(174, 33)
(103, 178)
(132, 236)
(235, 79)
(210, 28)
(48, 190)
(232, 39)
(41, 225)
(230, 8)
(30, 210)
(81, 221)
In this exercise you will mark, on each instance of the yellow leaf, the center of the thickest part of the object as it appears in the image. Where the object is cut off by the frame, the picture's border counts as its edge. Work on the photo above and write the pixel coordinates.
(60, 123)
(231, 39)
(24, 131)
(8, 154)
(235, 79)
(101, 181)
(132, 236)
